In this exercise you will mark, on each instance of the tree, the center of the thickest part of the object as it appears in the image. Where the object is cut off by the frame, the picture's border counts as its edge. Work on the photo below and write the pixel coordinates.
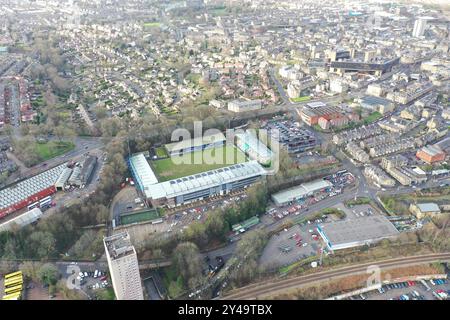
(215, 225)
(247, 252)
(48, 274)
(187, 261)
(41, 245)
(30, 269)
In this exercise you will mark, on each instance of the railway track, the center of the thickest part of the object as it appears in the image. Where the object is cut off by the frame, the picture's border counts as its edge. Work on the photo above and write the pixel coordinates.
(262, 290)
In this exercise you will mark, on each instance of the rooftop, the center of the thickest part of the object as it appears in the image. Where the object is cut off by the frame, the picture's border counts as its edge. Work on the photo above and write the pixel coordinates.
(250, 141)
(195, 142)
(143, 170)
(432, 150)
(428, 207)
(363, 229)
(207, 179)
(26, 188)
(300, 191)
(119, 245)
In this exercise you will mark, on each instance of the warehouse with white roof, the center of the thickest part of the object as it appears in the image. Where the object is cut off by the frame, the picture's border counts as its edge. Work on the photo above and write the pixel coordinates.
(21, 221)
(300, 192)
(351, 233)
(30, 190)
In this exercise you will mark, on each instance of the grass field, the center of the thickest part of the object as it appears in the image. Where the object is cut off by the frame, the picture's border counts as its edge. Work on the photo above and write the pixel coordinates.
(374, 116)
(53, 149)
(139, 217)
(200, 161)
(301, 99)
(152, 24)
(161, 152)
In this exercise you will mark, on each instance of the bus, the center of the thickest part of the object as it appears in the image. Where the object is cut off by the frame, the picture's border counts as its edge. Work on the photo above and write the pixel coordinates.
(14, 289)
(13, 296)
(45, 200)
(13, 282)
(46, 203)
(12, 275)
(33, 205)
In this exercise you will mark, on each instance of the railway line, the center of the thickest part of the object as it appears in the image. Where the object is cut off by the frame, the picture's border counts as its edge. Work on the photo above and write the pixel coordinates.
(262, 290)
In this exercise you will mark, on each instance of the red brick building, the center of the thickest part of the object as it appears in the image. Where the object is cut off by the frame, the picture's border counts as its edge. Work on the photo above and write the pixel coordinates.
(431, 154)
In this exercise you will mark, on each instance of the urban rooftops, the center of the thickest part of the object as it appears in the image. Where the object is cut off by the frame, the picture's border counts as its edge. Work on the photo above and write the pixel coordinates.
(119, 245)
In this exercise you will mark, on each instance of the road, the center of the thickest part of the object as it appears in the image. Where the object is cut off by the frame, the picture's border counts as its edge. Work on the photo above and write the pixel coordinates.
(279, 86)
(82, 145)
(263, 289)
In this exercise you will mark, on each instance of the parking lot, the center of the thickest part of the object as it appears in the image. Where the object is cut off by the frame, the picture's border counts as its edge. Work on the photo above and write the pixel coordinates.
(339, 181)
(291, 245)
(89, 278)
(410, 290)
(357, 211)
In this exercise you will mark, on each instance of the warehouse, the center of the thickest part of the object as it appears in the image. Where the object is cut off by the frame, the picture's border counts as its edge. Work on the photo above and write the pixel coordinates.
(28, 191)
(351, 233)
(204, 185)
(63, 178)
(82, 173)
(254, 148)
(431, 154)
(24, 219)
(302, 191)
(196, 144)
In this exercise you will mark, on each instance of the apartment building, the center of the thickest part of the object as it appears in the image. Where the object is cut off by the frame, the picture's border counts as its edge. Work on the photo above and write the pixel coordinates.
(123, 267)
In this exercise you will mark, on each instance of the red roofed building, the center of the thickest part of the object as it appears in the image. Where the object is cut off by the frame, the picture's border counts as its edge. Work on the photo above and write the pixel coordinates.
(431, 154)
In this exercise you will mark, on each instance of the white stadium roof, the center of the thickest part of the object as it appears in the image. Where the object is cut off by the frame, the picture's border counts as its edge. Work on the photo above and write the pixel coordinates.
(250, 141)
(143, 170)
(207, 179)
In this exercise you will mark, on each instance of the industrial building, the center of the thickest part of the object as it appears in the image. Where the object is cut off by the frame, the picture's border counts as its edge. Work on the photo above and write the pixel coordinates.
(378, 67)
(422, 210)
(431, 154)
(311, 112)
(82, 173)
(21, 221)
(26, 192)
(123, 267)
(203, 185)
(376, 104)
(254, 148)
(351, 233)
(196, 144)
(63, 178)
(300, 192)
(245, 105)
